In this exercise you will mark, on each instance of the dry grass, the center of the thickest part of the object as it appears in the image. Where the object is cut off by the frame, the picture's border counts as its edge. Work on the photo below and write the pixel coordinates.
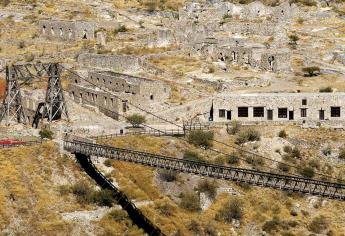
(150, 5)
(177, 64)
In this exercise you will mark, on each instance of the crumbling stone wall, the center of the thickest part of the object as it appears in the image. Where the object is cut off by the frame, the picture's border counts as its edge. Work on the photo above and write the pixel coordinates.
(275, 61)
(121, 63)
(300, 107)
(66, 30)
(249, 28)
(105, 102)
(162, 38)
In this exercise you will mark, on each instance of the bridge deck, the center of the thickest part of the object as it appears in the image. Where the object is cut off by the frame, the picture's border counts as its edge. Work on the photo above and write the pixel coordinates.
(252, 177)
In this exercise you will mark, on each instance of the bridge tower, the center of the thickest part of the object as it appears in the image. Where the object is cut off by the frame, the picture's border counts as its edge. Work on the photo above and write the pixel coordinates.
(12, 109)
(55, 106)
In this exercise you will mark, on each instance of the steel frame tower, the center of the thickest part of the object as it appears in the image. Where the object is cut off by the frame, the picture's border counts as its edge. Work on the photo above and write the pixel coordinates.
(12, 109)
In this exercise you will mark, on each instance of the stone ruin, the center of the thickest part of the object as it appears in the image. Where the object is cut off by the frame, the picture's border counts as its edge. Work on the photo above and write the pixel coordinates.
(140, 91)
(67, 30)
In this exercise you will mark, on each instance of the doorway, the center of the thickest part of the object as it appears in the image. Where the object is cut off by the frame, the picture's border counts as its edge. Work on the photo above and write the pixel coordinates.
(321, 114)
(291, 115)
(228, 115)
(269, 114)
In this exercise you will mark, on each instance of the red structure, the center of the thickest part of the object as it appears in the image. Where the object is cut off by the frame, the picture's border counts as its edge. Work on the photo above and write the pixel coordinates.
(11, 142)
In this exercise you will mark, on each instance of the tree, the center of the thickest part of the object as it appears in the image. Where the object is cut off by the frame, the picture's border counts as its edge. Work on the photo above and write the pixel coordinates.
(201, 138)
(45, 133)
(136, 120)
(311, 71)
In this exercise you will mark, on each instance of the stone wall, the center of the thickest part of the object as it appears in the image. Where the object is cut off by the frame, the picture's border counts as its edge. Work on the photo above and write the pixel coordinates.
(302, 107)
(121, 63)
(105, 102)
(66, 30)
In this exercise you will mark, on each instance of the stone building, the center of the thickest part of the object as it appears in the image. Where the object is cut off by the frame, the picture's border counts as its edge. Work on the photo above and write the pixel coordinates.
(67, 30)
(122, 89)
(298, 107)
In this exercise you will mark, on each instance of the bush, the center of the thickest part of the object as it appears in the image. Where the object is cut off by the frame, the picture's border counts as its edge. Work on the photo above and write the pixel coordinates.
(192, 156)
(326, 90)
(327, 151)
(118, 215)
(233, 209)
(165, 209)
(274, 225)
(311, 71)
(293, 38)
(248, 135)
(195, 227)
(282, 134)
(341, 153)
(255, 160)
(82, 191)
(283, 167)
(122, 28)
(306, 171)
(190, 201)
(234, 128)
(167, 175)
(296, 153)
(108, 163)
(233, 158)
(21, 45)
(103, 197)
(318, 225)
(210, 230)
(201, 138)
(46, 134)
(208, 187)
(136, 120)
(287, 149)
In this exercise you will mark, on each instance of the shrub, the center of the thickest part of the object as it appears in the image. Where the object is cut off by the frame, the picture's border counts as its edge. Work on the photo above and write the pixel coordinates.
(118, 215)
(255, 160)
(233, 158)
(248, 135)
(190, 201)
(318, 224)
(64, 190)
(192, 156)
(107, 163)
(296, 153)
(46, 134)
(195, 227)
(167, 175)
(21, 45)
(122, 28)
(233, 209)
(208, 187)
(306, 171)
(341, 153)
(165, 209)
(103, 197)
(201, 138)
(326, 90)
(287, 149)
(327, 151)
(136, 120)
(293, 38)
(282, 134)
(273, 225)
(311, 71)
(82, 191)
(234, 128)
(210, 230)
(283, 167)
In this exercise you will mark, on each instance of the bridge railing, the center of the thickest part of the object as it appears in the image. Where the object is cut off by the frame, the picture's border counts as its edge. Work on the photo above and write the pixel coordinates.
(25, 143)
(253, 177)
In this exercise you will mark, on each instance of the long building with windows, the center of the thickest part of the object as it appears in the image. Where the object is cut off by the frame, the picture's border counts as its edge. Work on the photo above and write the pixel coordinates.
(301, 107)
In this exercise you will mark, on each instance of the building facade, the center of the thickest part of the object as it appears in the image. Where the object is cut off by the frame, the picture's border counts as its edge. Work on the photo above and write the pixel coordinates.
(301, 107)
